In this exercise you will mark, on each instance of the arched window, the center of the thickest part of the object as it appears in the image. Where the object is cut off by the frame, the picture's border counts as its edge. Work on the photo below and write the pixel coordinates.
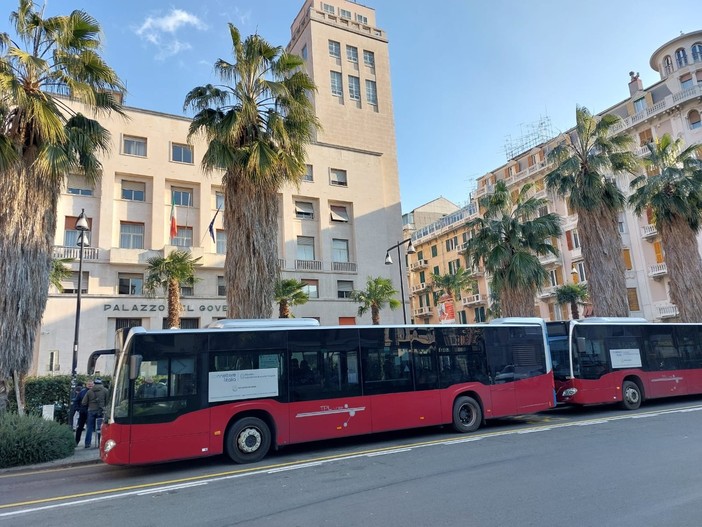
(697, 52)
(694, 118)
(681, 57)
(667, 65)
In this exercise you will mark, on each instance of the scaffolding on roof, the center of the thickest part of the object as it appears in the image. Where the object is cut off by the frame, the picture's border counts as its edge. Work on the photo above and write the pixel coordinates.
(531, 135)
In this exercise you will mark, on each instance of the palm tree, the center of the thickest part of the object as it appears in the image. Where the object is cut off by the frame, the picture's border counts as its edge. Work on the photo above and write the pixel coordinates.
(59, 272)
(572, 294)
(41, 141)
(582, 175)
(379, 292)
(289, 292)
(675, 197)
(451, 284)
(169, 273)
(508, 240)
(257, 128)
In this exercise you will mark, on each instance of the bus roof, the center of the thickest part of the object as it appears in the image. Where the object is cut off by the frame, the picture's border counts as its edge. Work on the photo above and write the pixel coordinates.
(241, 323)
(611, 320)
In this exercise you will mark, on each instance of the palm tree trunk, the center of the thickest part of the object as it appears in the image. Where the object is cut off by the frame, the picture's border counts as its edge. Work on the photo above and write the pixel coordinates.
(18, 382)
(602, 249)
(27, 227)
(684, 264)
(283, 310)
(251, 263)
(517, 302)
(173, 304)
(375, 315)
(574, 310)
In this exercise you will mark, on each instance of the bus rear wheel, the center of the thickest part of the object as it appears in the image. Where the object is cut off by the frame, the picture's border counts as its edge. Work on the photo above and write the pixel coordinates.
(467, 414)
(248, 440)
(631, 395)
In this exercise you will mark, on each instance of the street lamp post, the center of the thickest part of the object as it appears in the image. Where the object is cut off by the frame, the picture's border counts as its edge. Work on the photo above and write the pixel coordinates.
(388, 261)
(82, 228)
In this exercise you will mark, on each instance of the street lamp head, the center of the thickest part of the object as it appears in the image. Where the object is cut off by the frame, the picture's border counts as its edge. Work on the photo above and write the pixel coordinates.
(388, 260)
(410, 248)
(83, 240)
(574, 271)
(82, 222)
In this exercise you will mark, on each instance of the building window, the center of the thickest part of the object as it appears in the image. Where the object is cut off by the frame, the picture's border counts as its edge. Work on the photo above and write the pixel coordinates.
(668, 65)
(303, 52)
(305, 248)
(311, 287)
(70, 285)
(183, 237)
(479, 314)
(221, 242)
(340, 250)
(78, 186)
(344, 288)
(335, 49)
(352, 54)
(182, 197)
(133, 190)
(130, 284)
(354, 88)
(124, 323)
(434, 251)
(337, 87)
(452, 243)
(436, 270)
(134, 146)
(572, 239)
(343, 13)
(131, 235)
(694, 118)
(371, 93)
(304, 210)
(219, 200)
(185, 323)
(580, 275)
(309, 174)
(633, 299)
(554, 277)
(339, 213)
(697, 52)
(681, 57)
(369, 58)
(221, 288)
(626, 257)
(454, 266)
(187, 290)
(70, 234)
(328, 9)
(181, 153)
(362, 19)
(338, 177)
(639, 105)
(686, 81)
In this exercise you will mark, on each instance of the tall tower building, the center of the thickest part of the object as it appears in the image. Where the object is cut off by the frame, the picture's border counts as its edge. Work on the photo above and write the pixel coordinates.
(334, 228)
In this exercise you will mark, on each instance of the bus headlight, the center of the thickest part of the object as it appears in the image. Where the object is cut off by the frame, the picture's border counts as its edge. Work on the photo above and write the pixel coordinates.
(569, 392)
(109, 445)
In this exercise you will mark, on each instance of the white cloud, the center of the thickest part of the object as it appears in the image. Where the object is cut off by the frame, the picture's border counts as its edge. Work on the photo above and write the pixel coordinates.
(161, 31)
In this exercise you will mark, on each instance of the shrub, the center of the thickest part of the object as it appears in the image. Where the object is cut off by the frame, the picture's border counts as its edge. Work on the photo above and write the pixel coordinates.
(30, 439)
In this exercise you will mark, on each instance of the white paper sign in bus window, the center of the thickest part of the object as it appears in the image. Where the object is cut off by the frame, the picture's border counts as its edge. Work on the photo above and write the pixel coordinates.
(625, 358)
(242, 384)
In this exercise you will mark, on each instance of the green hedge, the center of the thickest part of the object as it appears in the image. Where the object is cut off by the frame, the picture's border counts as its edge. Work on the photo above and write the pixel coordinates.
(27, 440)
(50, 390)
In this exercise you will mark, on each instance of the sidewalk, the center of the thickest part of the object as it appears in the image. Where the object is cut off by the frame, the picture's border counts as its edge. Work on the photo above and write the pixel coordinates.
(80, 456)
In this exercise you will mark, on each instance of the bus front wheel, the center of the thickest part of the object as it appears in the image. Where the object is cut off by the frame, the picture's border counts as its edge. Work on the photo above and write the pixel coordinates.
(248, 440)
(467, 414)
(631, 395)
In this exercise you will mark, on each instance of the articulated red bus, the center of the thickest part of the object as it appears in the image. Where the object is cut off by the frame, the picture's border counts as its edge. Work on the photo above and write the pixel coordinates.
(606, 360)
(245, 387)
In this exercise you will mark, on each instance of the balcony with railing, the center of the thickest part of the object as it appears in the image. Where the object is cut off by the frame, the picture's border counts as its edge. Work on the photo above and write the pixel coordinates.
(648, 232)
(472, 300)
(668, 311)
(419, 265)
(64, 252)
(547, 292)
(416, 288)
(308, 265)
(549, 259)
(422, 312)
(658, 270)
(343, 267)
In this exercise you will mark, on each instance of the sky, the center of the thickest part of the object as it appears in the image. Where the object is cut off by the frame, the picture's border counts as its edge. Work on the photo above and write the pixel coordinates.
(469, 77)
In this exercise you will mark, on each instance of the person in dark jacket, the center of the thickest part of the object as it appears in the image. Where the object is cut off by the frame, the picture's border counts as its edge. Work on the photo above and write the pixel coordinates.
(96, 400)
(76, 401)
(82, 410)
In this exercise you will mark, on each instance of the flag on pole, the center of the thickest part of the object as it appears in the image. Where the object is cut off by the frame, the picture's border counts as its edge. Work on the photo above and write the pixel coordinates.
(211, 227)
(174, 227)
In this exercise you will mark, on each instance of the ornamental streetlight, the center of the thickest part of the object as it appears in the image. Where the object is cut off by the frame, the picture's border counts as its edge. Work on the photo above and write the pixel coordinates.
(574, 274)
(82, 228)
(388, 261)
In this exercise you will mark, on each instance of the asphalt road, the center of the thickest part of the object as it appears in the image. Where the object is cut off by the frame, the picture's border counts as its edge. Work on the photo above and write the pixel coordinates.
(592, 467)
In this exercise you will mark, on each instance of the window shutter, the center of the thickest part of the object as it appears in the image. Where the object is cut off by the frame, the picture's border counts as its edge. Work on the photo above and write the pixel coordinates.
(559, 276)
(658, 249)
(569, 240)
(626, 255)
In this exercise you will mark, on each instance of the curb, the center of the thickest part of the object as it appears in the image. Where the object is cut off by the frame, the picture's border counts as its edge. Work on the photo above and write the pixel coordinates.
(67, 462)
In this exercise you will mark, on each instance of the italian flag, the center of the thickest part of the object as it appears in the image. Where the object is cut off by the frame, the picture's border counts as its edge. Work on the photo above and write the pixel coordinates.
(174, 228)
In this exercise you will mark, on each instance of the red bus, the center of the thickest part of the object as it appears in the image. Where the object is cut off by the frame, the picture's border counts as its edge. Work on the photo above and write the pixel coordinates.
(607, 360)
(246, 387)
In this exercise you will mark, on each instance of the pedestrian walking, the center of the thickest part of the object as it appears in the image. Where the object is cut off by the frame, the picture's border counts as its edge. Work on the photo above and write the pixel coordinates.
(76, 401)
(96, 400)
(82, 410)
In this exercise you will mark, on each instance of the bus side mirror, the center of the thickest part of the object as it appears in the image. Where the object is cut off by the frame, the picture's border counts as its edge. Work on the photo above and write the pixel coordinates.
(134, 366)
